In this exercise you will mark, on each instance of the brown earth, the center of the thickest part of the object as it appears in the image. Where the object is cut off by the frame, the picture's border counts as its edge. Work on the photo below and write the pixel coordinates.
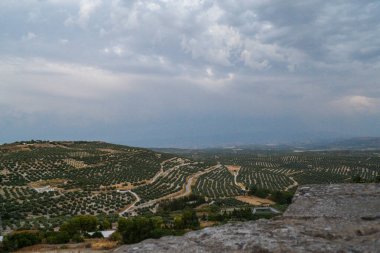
(233, 168)
(252, 200)
(51, 182)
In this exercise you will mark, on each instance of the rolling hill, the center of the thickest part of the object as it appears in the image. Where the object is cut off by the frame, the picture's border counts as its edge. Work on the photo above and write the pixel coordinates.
(43, 183)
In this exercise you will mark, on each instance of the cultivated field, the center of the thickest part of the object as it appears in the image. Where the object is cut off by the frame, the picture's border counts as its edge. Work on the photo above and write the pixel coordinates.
(44, 183)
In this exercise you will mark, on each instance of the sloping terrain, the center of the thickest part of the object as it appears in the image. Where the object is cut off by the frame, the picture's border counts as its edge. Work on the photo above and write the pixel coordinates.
(44, 183)
(284, 170)
(322, 218)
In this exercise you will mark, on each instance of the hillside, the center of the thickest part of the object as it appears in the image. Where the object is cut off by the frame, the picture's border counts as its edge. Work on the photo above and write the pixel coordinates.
(44, 183)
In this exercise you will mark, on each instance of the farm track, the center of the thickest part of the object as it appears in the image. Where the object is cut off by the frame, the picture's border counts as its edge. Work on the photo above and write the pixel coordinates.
(240, 185)
(186, 190)
(161, 172)
(133, 204)
(295, 184)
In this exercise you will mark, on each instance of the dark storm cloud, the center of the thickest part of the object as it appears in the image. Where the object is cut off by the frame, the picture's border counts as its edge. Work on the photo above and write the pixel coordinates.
(243, 68)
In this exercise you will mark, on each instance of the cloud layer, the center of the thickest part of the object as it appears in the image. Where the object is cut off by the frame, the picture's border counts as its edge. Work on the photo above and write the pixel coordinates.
(187, 72)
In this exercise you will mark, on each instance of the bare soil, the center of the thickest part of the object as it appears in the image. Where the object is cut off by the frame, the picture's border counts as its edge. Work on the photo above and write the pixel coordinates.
(255, 200)
(51, 182)
(205, 224)
(233, 168)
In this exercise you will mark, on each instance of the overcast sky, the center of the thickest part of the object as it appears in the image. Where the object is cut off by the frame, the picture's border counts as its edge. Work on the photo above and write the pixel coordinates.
(189, 73)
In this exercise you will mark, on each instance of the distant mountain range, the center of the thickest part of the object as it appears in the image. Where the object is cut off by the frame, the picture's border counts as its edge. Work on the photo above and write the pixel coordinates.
(357, 143)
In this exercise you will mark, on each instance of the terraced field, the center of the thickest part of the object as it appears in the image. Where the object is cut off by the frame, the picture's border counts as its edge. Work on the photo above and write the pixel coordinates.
(172, 180)
(264, 178)
(44, 183)
(218, 183)
(285, 170)
(52, 180)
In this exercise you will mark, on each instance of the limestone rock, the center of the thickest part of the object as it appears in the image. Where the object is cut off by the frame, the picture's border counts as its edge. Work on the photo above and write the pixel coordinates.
(322, 218)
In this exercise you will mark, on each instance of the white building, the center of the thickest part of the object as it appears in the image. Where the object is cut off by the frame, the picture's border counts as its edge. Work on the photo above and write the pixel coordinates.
(105, 233)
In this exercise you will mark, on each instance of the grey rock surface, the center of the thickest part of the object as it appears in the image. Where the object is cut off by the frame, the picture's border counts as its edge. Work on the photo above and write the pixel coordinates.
(322, 218)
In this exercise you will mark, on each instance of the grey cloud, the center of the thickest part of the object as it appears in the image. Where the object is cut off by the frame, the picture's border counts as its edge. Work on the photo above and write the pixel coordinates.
(143, 62)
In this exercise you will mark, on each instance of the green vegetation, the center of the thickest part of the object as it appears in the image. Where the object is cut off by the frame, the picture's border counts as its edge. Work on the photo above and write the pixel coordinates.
(186, 220)
(182, 203)
(284, 170)
(216, 184)
(80, 225)
(73, 230)
(280, 197)
(171, 183)
(58, 237)
(19, 240)
(359, 179)
(136, 229)
(45, 184)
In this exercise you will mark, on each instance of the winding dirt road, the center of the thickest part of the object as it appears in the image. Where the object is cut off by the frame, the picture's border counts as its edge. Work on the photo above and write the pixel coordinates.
(161, 170)
(132, 205)
(295, 184)
(186, 190)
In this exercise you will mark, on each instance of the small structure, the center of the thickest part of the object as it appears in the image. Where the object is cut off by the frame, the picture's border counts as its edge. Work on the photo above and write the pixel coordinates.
(123, 191)
(44, 189)
(264, 210)
(105, 233)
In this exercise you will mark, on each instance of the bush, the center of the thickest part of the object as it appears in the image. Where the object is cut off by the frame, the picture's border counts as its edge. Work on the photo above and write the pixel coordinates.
(160, 232)
(357, 179)
(77, 238)
(97, 234)
(19, 240)
(136, 229)
(259, 192)
(190, 219)
(242, 214)
(116, 236)
(57, 238)
(80, 224)
(181, 203)
(216, 217)
(105, 224)
(282, 197)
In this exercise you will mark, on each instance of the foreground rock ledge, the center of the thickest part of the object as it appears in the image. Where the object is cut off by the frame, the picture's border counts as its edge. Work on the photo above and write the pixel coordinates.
(322, 218)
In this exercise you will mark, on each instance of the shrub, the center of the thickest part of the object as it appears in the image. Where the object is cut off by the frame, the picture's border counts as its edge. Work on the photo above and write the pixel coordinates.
(77, 238)
(116, 236)
(135, 229)
(19, 240)
(282, 197)
(58, 238)
(80, 224)
(97, 234)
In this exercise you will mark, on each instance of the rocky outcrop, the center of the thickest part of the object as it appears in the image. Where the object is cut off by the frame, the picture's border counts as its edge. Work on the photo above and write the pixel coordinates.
(322, 218)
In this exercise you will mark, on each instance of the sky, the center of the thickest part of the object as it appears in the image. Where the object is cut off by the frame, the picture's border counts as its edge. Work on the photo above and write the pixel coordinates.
(190, 73)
